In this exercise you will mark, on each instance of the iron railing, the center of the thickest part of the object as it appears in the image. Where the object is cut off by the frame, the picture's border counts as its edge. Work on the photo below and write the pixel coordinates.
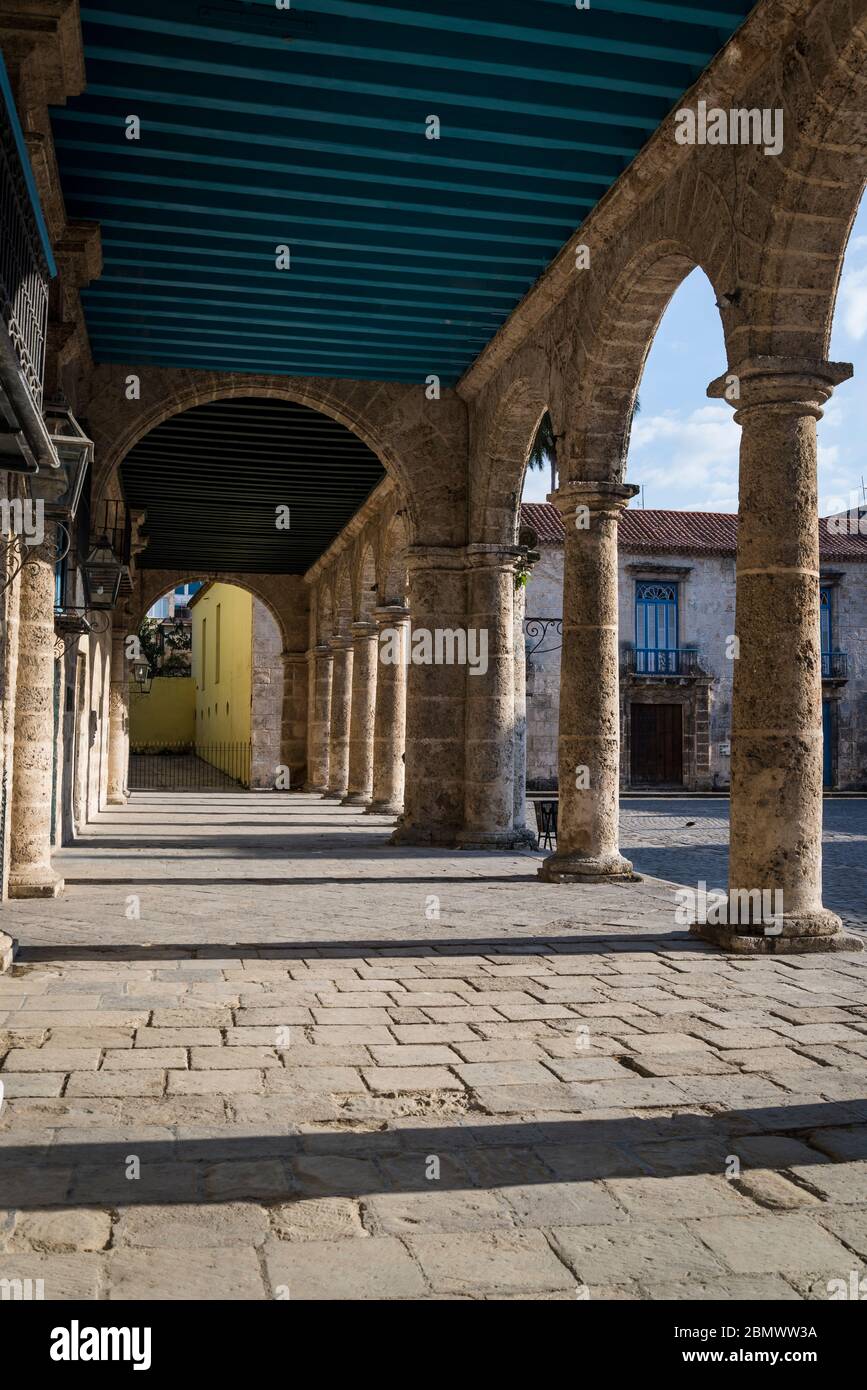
(189, 767)
(835, 666)
(24, 269)
(660, 661)
(542, 635)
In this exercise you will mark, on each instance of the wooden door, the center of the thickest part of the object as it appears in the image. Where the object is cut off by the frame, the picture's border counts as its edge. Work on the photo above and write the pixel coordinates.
(657, 745)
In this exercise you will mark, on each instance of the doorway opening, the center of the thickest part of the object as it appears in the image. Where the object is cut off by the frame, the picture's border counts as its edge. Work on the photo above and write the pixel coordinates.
(657, 745)
(208, 716)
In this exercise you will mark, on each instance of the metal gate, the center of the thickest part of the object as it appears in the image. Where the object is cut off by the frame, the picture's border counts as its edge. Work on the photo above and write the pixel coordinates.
(187, 768)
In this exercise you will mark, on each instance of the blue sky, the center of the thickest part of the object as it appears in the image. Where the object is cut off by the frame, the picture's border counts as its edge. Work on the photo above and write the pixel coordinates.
(684, 447)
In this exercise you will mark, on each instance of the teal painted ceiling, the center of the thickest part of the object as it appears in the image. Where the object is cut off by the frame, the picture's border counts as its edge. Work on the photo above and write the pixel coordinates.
(305, 128)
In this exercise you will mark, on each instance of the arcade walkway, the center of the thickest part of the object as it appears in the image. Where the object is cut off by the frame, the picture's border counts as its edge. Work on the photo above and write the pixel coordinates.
(538, 1094)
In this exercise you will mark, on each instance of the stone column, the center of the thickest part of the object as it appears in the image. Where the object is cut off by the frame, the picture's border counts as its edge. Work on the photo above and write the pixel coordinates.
(118, 719)
(341, 705)
(489, 791)
(435, 701)
(30, 871)
(320, 661)
(520, 668)
(293, 733)
(359, 791)
(389, 731)
(776, 778)
(589, 760)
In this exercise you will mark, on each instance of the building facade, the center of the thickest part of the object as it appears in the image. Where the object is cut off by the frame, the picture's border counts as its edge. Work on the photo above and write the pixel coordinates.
(678, 645)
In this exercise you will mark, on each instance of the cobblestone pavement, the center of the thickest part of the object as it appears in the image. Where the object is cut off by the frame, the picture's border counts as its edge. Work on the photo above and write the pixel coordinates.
(687, 840)
(545, 1093)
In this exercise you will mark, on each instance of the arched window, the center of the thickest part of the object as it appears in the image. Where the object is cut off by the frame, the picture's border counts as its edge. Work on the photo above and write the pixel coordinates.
(655, 627)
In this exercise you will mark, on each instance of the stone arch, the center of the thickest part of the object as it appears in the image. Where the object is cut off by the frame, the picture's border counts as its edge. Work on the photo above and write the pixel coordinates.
(503, 427)
(152, 585)
(286, 599)
(419, 443)
(797, 209)
(606, 370)
(365, 579)
(342, 606)
(324, 609)
(393, 573)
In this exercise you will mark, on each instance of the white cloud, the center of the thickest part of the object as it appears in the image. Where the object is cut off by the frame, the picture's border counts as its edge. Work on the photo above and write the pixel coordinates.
(687, 461)
(852, 303)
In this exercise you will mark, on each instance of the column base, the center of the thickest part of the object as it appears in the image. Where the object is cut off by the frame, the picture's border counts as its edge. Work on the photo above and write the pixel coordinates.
(116, 799)
(812, 933)
(356, 799)
(384, 808)
(40, 883)
(425, 836)
(496, 839)
(337, 795)
(319, 788)
(576, 868)
(8, 947)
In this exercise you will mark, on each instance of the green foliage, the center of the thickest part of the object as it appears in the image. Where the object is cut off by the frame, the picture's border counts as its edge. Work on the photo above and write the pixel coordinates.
(544, 446)
(162, 646)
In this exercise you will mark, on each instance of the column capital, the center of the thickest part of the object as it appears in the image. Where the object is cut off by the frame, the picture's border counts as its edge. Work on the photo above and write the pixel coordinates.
(481, 555)
(340, 642)
(320, 652)
(387, 614)
(595, 495)
(363, 629)
(784, 385)
(296, 658)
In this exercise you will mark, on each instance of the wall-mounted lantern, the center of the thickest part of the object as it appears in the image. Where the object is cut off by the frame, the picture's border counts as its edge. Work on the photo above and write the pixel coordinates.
(102, 573)
(142, 675)
(74, 453)
(70, 451)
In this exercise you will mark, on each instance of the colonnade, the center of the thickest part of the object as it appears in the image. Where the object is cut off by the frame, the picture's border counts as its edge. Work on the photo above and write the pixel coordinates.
(357, 714)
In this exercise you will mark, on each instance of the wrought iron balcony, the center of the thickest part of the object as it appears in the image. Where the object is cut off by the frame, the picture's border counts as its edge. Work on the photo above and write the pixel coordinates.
(661, 661)
(835, 666)
(26, 266)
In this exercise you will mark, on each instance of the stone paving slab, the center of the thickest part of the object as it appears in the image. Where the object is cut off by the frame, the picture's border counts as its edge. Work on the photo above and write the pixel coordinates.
(626, 1114)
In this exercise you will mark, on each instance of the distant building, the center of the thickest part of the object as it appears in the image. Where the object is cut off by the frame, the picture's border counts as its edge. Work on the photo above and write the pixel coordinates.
(677, 653)
(175, 604)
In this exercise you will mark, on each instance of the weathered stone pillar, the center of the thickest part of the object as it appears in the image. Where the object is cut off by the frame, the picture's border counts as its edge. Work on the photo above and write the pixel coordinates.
(293, 733)
(118, 719)
(341, 706)
(359, 790)
(30, 872)
(389, 731)
(489, 789)
(321, 660)
(589, 760)
(776, 781)
(520, 669)
(435, 700)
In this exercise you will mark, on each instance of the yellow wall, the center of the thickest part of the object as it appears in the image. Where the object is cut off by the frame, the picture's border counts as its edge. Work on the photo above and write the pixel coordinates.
(167, 715)
(222, 670)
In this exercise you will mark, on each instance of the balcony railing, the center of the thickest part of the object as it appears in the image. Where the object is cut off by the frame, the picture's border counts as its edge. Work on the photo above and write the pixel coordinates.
(25, 259)
(660, 661)
(835, 666)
